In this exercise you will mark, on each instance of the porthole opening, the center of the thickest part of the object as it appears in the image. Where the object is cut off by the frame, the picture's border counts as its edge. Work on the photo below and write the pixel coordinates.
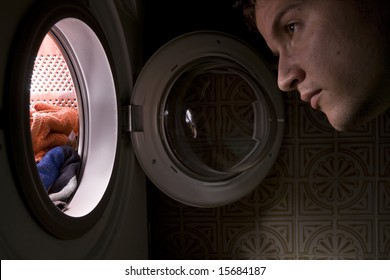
(54, 122)
(73, 117)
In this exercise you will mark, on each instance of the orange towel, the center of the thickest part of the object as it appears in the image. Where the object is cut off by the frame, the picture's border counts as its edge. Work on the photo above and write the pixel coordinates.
(51, 126)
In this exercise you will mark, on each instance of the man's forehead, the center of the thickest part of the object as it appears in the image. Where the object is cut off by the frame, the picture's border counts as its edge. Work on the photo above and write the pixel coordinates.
(262, 3)
(272, 8)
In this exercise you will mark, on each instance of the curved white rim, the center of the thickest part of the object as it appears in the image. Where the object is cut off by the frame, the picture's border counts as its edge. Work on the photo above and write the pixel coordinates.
(98, 115)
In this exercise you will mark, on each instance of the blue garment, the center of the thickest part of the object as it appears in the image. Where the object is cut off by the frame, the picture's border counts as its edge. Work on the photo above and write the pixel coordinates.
(58, 167)
(50, 165)
(69, 169)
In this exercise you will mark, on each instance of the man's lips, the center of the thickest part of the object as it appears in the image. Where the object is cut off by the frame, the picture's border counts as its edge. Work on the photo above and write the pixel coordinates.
(312, 98)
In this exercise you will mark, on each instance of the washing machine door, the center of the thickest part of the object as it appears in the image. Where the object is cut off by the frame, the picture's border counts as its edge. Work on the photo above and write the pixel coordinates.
(206, 119)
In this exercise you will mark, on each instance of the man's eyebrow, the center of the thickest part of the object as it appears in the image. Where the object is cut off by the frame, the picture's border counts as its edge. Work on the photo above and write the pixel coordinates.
(277, 19)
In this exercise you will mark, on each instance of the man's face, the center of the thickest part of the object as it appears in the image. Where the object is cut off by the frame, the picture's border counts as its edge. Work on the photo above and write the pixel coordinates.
(328, 52)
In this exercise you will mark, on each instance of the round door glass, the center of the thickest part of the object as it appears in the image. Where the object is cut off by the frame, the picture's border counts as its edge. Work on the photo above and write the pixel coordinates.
(206, 119)
(216, 120)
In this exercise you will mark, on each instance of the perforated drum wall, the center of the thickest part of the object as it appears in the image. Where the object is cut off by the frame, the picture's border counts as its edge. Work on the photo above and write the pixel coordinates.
(51, 79)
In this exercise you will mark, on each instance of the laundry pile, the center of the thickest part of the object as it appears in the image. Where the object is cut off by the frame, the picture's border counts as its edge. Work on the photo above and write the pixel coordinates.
(58, 171)
(52, 126)
(54, 132)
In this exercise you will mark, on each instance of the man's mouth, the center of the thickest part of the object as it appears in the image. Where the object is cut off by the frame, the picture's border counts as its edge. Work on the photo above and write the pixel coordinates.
(312, 98)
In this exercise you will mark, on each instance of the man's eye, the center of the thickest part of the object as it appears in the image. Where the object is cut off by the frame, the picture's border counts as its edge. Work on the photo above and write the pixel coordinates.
(291, 28)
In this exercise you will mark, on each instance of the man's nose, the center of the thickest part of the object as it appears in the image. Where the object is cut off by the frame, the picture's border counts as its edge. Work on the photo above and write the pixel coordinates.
(290, 74)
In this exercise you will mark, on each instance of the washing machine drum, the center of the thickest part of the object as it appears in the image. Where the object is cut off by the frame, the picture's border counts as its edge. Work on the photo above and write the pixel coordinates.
(206, 119)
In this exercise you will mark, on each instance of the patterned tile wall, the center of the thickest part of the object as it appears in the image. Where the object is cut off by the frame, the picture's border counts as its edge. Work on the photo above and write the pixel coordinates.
(327, 197)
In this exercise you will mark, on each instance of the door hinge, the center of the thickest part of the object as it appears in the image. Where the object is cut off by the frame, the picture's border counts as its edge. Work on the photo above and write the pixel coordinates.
(132, 118)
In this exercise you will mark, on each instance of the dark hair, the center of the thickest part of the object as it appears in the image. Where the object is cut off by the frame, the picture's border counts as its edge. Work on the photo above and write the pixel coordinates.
(378, 9)
(248, 10)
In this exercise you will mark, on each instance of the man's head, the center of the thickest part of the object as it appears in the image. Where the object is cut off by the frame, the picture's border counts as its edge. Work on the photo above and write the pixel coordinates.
(334, 52)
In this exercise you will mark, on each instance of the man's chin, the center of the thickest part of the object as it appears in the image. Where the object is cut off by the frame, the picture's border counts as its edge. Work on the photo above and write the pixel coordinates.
(348, 124)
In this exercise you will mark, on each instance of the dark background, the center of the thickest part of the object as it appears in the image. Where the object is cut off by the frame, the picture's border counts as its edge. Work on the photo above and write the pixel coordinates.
(165, 20)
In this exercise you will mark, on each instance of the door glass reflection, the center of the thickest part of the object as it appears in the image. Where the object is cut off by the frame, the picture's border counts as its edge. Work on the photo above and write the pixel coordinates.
(209, 121)
(54, 122)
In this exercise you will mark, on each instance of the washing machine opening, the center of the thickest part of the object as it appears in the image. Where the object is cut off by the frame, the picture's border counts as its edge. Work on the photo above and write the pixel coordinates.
(73, 117)
(54, 122)
(217, 121)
